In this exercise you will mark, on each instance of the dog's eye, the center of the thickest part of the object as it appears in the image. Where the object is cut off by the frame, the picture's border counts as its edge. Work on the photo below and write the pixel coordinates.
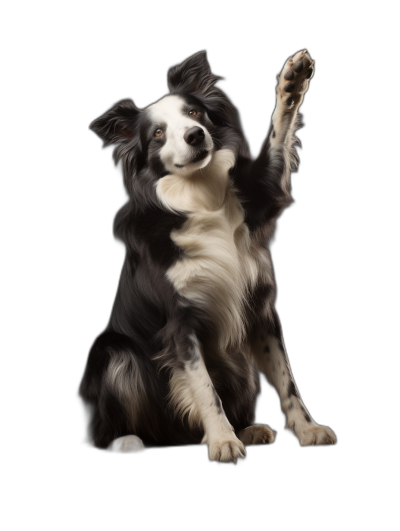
(192, 112)
(158, 132)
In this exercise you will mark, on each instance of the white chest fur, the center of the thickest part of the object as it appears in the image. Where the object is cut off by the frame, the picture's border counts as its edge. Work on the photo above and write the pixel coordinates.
(220, 262)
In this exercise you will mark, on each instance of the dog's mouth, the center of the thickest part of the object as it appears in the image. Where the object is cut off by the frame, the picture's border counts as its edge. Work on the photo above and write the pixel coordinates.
(200, 156)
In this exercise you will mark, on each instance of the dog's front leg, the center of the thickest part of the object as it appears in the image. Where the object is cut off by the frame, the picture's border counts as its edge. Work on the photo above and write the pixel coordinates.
(292, 85)
(268, 185)
(269, 350)
(192, 392)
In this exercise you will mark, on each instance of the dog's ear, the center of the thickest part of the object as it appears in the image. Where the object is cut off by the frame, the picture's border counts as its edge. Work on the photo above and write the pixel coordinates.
(193, 76)
(120, 125)
(117, 125)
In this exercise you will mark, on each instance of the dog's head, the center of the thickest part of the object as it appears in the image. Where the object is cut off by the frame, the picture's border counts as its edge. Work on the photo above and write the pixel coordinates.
(182, 132)
(177, 134)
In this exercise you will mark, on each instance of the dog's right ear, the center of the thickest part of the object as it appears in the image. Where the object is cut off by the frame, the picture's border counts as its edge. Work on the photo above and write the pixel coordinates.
(118, 125)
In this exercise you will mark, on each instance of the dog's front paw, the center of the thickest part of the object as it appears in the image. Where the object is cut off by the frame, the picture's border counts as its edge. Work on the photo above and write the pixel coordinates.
(226, 449)
(257, 434)
(316, 434)
(294, 79)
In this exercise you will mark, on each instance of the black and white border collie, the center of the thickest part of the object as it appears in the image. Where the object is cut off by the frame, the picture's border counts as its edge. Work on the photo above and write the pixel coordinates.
(194, 319)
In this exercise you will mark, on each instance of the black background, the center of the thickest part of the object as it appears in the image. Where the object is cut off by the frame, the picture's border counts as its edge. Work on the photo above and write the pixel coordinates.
(315, 245)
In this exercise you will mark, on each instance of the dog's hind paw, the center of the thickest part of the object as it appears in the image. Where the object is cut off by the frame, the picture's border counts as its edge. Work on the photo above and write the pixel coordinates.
(129, 443)
(257, 434)
(294, 79)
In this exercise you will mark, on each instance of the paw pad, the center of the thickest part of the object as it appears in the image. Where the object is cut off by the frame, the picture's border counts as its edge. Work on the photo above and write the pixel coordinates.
(297, 70)
(298, 66)
(289, 87)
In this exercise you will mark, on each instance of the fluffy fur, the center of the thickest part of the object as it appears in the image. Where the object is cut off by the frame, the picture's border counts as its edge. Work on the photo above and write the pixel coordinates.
(194, 319)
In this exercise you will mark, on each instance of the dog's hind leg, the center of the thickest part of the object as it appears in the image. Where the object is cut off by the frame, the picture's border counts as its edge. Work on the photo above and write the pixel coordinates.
(121, 387)
(270, 353)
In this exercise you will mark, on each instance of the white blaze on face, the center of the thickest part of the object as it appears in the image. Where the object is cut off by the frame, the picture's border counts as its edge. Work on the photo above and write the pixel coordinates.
(176, 154)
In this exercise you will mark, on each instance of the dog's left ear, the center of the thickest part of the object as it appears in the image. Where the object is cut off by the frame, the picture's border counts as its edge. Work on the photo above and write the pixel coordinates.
(193, 76)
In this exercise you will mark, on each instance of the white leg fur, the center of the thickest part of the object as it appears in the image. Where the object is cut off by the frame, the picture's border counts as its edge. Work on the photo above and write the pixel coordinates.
(192, 392)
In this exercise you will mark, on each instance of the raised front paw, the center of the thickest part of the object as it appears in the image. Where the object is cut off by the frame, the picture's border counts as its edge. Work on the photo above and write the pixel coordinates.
(226, 449)
(315, 434)
(257, 434)
(294, 79)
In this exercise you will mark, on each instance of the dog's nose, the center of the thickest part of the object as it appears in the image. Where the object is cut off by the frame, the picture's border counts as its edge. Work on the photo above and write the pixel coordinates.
(194, 136)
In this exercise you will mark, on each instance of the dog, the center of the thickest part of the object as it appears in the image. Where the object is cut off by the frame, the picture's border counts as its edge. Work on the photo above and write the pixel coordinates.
(194, 319)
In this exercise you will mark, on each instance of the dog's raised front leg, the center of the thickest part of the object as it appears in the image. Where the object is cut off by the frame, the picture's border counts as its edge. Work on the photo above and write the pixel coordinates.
(266, 187)
(293, 83)
(271, 356)
(192, 392)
